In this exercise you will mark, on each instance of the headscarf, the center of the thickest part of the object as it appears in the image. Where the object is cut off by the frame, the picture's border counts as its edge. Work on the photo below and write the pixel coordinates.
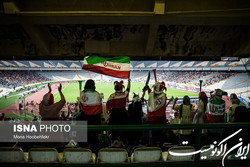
(48, 99)
(159, 87)
(90, 84)
(219, 93)
(234, 99)
(186, 100)
(135, 97)
(118, 86)
(203, 98)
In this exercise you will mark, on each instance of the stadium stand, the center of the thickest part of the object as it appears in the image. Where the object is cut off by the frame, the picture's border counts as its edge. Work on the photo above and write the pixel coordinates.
(20, 78)
(78, 156)
(112, 155)
(147, 155)
(12, 155)
(138, 75)
(207, 154)
(43, 155)
(58, 76)
(237, 81)
(180, 149)
(65, 71)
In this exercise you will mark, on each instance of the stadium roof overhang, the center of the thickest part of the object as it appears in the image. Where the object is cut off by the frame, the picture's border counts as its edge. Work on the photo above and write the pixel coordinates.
(227, 64)
(142, 29)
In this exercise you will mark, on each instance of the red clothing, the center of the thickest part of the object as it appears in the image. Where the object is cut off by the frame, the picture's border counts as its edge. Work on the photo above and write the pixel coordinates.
(91, 102)
(117, 100)
(157, 108)
(209, 118)
(158, 116)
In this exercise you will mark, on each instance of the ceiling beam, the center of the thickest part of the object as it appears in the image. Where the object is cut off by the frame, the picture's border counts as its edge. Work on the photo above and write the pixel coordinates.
(159, 7)
(152, 35)
(159, 19)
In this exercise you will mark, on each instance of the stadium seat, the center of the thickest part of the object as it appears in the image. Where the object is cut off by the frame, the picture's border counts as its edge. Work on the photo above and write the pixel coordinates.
(237, 157)
(146, 155)
(208, 154)
(180, 149)
(43, 155)
(112, 155)
(78, 156)
(12, 155)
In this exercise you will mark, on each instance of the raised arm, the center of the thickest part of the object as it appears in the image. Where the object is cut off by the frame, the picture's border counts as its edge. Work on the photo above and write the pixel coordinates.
(128, 87)
(60, 92)
(169, 101)
(175, 100)
(49, 86)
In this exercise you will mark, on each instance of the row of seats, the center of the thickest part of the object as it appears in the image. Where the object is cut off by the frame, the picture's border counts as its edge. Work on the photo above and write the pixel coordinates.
(105, 155)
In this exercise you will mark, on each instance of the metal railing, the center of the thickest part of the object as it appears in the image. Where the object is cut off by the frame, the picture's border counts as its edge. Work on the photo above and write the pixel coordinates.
(197, 127)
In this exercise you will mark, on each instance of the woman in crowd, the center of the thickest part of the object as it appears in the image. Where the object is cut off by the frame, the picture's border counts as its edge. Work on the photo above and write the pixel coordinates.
(116, 107)
(156, 109)
(231, 111)
(186, 114)
(202, 106)
(91, 104)
(50, 110)
(91, 108)
(116, 104)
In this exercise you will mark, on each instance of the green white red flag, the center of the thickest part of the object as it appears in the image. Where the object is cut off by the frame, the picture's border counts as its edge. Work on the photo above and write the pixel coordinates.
(118, 66)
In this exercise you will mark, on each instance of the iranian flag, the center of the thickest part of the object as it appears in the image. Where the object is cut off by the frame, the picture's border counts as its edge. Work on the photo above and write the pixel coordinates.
(118, 66)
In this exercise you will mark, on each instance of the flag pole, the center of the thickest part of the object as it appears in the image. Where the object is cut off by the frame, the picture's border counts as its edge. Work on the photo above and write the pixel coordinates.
(80, 85)
(201, 84)
(154, 70)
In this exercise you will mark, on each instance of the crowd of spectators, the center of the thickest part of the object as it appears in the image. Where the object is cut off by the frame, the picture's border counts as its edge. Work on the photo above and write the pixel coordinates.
(217, 77)
(191, 76)
(183, 77)
(91, 108)
(14, 79)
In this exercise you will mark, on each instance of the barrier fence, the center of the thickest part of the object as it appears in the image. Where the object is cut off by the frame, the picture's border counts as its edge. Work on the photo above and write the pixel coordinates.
(197, 127)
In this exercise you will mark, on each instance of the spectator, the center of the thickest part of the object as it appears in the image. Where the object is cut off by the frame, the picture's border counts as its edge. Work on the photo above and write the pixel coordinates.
(135, 110)
(1, 117)
(231, 111)
(116, 104)
(105, 115)
(116, 107)
(91, 104)
(202, 106)
(157, 104)
(215, 114)
(91, 108)
(186, 114)
(156, 109)
(65, 117)
(50, 110)
(35, 119)
(135, 118)
(216, 108)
